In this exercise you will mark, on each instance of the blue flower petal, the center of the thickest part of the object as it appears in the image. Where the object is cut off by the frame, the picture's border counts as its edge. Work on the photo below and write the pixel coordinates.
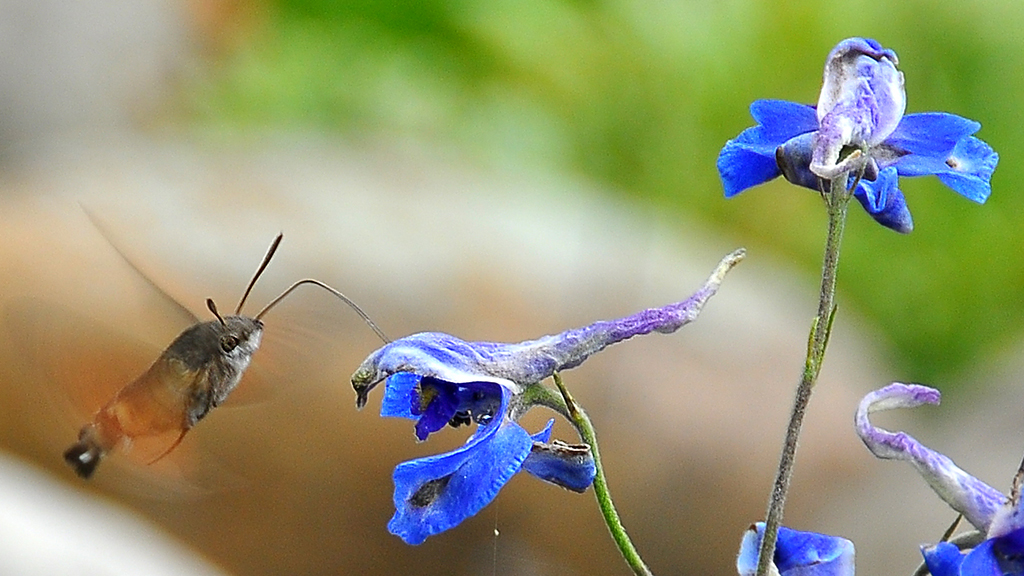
(996, 556)
(436, 493)
(779, 120)
(545, 434)
(931, 133)
(428, 354)
(576, 473)
(943, 559)
(982, 562)
(742, 166)
(399, 393)
(941, 144)
(794, 160)
(798, 553)
(885, 203)
(970, 168)
(881, 199)
(749, 159)
(1009, 550)
(967, 169)
(795, 549)
(570, 466)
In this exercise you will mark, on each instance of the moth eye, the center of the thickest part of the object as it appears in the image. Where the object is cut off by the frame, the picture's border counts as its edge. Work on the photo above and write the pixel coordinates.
(228, 343)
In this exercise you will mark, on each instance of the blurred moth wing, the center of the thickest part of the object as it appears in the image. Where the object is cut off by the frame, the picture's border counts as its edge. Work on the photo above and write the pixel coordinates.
(66, 373)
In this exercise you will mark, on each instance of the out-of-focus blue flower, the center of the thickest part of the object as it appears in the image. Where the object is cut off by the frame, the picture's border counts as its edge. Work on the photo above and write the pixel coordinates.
(437, 380)
(999, 517)
(797, 553)
(858, 127)
(995, 556)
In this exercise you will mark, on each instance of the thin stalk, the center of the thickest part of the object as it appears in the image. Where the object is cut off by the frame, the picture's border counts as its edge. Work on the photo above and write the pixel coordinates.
(604, 499)
(837, 200)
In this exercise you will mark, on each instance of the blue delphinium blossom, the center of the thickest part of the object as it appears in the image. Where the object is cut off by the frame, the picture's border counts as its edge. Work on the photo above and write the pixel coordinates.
(797, 553)
(436, 493)
(858, 126)
(1000, 519)
(437, 379)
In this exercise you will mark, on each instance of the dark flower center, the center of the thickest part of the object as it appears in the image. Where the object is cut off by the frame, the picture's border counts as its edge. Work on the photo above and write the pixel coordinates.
(460, 419)
(429, 491)
(470, 405)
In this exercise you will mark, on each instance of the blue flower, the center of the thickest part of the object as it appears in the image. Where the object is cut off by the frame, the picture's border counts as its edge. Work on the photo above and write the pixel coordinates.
(797, 553)
(436, 493)
(858, 127)
(999, 518)
(437, 380)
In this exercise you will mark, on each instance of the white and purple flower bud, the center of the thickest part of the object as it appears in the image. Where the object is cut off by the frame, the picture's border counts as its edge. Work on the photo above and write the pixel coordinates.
(861, 103)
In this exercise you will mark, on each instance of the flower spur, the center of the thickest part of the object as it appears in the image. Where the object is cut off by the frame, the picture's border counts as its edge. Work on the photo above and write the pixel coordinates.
(998, 548)
(437, 379)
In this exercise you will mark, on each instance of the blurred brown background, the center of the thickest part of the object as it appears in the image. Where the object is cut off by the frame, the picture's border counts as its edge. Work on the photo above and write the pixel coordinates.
(293, 480)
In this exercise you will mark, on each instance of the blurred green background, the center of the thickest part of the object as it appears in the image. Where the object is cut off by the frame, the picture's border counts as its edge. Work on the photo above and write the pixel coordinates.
(638, 98)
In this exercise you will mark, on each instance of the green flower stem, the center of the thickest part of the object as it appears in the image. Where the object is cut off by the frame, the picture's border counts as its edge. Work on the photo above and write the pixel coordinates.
(837, 199)
(582, 422)
(539, 395)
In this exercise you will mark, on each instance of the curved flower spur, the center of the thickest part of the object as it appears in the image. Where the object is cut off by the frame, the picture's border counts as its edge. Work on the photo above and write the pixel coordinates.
(998, 546)
(437, 380)
(858, 127)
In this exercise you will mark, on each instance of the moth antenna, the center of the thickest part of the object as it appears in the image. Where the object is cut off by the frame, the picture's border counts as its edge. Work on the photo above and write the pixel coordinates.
(263, 266)
(345, 299)
(213, 308)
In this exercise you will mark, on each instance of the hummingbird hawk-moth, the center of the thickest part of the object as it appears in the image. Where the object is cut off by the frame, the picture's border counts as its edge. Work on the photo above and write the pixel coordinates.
(194, 375)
